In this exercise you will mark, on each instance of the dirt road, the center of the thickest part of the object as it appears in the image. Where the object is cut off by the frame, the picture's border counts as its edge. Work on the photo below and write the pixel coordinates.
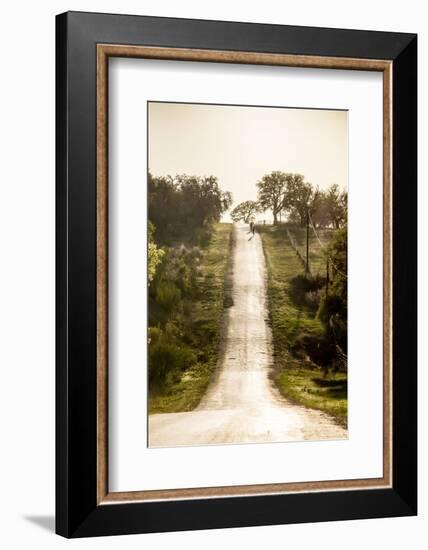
(241, 404)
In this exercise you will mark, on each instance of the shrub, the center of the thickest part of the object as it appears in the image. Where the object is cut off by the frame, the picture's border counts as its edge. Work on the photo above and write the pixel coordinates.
(155, 254)
(320, 349)
(154, 333)
(167, 358)
(167, 295)
(305, 291)
(333, 313)
(203, 236)
(179, 267)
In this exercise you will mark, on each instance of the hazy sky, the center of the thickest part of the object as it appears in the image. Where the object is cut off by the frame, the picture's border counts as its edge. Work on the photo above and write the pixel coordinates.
(239, 145)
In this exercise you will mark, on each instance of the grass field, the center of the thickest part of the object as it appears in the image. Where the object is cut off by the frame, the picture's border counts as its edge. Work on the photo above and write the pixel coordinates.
(292, 322)
(204, 327)
(317, 262)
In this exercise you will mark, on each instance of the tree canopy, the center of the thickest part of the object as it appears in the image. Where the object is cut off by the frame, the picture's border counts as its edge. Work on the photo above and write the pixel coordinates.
(245, 211)
(298, 197)
(180, 206)
(291, 194)
(271, 190)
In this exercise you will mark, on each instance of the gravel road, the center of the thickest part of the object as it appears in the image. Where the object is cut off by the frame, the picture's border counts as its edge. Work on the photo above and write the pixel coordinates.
(241, 404)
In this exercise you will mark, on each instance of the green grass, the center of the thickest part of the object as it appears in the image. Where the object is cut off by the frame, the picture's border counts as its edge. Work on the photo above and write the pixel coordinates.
(185, 394)
(310, 388)
(289, 321)
(205, 319)
(295, 374)
(317, 262)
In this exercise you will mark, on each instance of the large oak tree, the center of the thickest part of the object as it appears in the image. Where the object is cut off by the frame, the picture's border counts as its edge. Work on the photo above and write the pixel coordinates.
(298, 198)
(271, 190)
(245, 211)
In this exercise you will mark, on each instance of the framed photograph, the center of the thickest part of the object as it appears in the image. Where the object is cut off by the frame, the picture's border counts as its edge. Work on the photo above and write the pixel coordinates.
(236, 274)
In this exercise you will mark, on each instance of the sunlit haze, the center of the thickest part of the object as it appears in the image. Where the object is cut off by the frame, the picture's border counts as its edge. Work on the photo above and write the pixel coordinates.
(239, 145)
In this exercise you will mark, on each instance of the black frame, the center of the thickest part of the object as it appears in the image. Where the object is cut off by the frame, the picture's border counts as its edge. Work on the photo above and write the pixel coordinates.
(77, 513)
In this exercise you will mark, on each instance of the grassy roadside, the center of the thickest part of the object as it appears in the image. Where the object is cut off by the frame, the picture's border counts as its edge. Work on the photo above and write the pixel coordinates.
(309, 388)
(204, 316)
(316, 257)
(294, 323)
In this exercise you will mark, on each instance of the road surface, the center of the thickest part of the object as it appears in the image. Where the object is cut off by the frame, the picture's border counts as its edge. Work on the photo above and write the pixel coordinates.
(241, 404)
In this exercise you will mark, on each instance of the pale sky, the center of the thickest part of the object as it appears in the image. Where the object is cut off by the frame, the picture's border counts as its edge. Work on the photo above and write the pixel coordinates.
(239, 145)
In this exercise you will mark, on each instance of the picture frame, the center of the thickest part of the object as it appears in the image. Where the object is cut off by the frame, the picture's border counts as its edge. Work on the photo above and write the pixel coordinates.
(84, 44)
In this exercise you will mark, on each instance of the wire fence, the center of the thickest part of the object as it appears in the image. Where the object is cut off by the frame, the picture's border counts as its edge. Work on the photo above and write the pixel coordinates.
(342, 357)
(295, 247)
(326, 251)
(302, 257)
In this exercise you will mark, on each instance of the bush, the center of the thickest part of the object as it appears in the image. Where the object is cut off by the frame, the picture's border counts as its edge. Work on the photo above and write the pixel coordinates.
(305, 291)
(155, 254)
(167, 359)
(203, 236)
(179, 267)
(320, 349)
(154, 334)
(333, 313)
(330, 306)
(167, 295)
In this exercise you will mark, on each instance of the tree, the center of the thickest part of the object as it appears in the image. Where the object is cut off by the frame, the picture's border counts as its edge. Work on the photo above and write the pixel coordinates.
(162, 199)
(201, 199)
(298, 197)
(337, 206)
(155, 253)
(245, 211)
(333, 310)
(183, 205)
(319, 210)
(329, 207)
(343, 208)
(271, 190)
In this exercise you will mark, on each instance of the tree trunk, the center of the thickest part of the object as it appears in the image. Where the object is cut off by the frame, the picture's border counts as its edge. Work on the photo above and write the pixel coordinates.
(275, 217)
